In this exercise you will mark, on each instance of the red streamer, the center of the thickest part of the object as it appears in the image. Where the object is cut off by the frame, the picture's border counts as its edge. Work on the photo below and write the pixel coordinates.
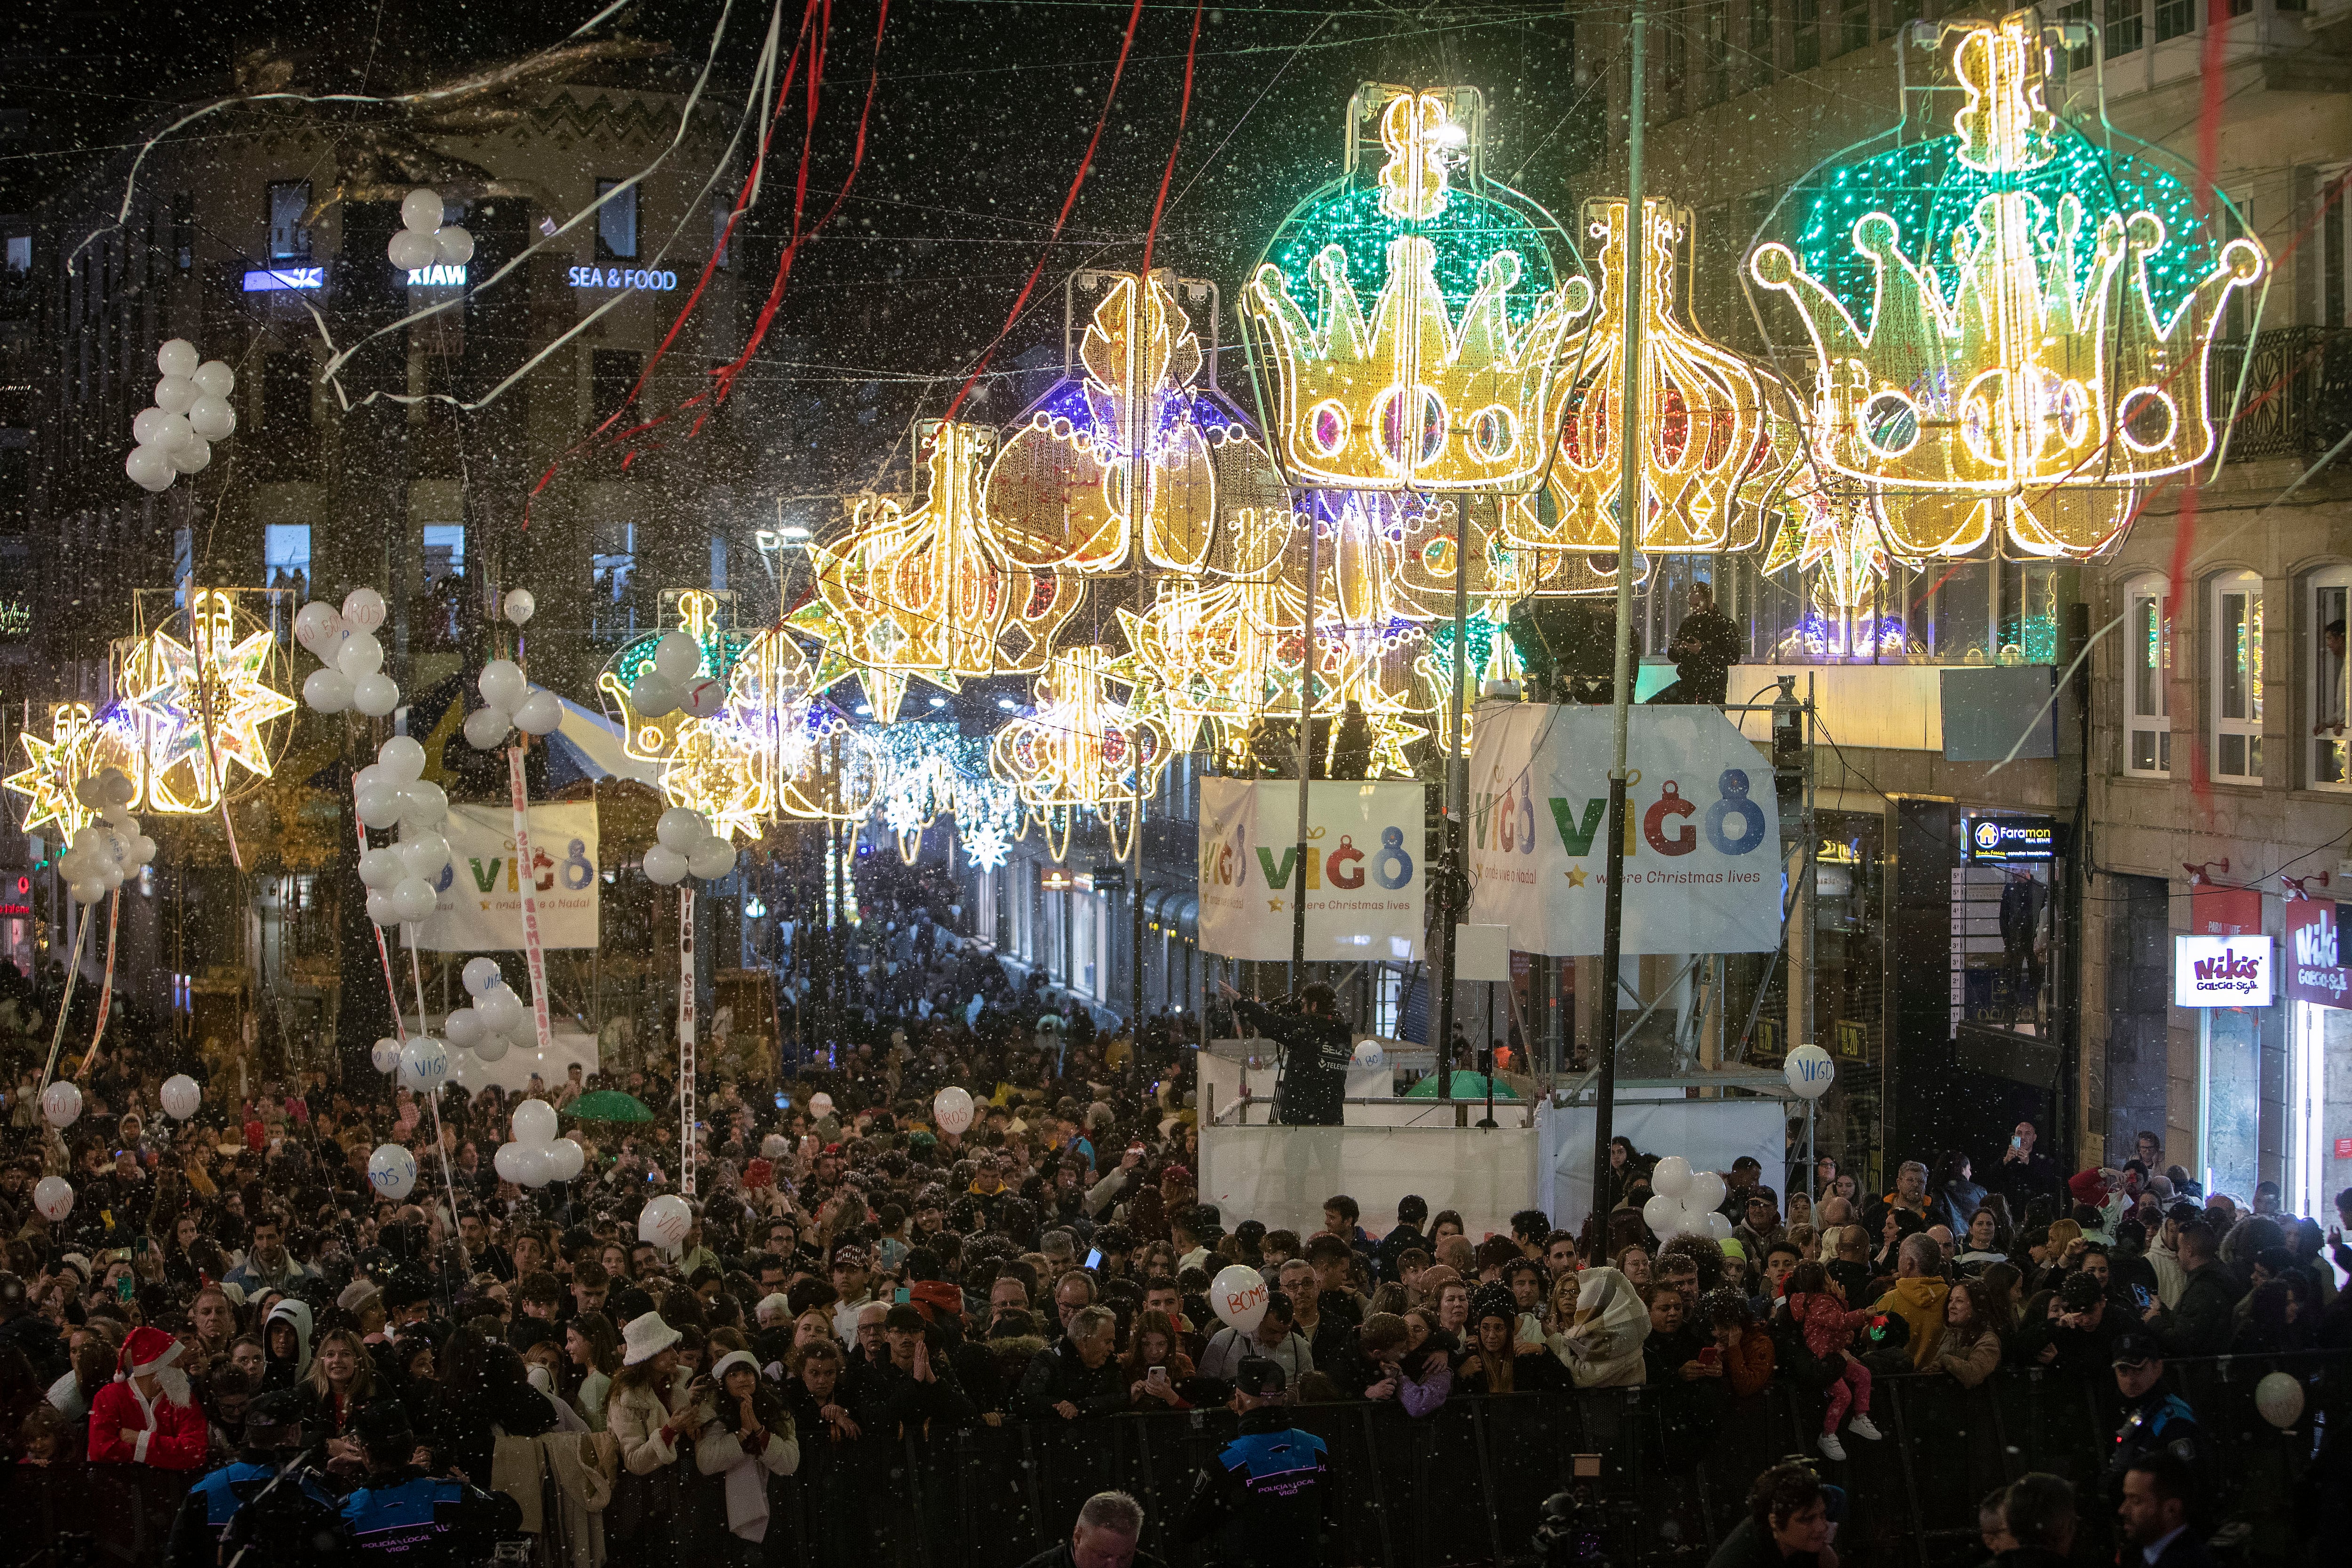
(1183, 112)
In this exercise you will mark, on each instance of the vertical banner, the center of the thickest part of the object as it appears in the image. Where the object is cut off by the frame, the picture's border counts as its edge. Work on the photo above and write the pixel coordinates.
(2314, 965)
(1363, 877)
(534, 954)
(1702, 841)
(685, 1037)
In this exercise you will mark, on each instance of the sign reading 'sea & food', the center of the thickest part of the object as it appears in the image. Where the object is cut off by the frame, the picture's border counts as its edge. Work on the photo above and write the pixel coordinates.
(2221, 971)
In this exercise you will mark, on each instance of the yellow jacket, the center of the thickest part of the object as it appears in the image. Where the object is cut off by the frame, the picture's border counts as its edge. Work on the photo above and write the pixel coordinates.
(1919, 1302)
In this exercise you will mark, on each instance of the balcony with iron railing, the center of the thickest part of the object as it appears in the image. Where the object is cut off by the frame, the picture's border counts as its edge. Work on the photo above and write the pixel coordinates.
(2297, 398)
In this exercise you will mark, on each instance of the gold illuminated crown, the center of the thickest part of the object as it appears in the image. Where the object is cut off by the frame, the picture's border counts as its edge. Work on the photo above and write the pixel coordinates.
(2060, 344)
(1423, 392)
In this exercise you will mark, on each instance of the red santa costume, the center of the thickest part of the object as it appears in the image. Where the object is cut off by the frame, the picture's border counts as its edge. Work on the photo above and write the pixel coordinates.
(167, 1429)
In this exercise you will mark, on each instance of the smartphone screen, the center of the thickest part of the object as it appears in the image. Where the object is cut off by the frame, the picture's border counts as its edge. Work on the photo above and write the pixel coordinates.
(901, 1296)
(1093, 1258)
(1710, 1355)
(1157, 1375)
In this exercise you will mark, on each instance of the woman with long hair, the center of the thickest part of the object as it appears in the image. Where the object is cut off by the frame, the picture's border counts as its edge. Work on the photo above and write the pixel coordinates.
(342, 1380)
(1425, 1371)
(1155, 1366)
(1970, 1347)
(654, 1409)
(1447, 1221)
(750, 1439)
(593, 1351)
(1984, 1243)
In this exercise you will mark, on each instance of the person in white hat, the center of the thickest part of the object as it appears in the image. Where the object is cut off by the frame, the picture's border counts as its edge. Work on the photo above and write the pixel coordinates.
(751, 1440)
(653, 1401)
(146, 1415)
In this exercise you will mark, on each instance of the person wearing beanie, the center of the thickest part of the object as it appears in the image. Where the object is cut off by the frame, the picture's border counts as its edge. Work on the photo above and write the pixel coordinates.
(1494, 1364)
(147, 1415)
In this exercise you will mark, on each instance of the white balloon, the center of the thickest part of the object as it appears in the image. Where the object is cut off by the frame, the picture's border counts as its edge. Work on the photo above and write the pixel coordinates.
(181, 1095)
(215, 379)
(502, 684)
(503, 1009)
(465, 1028)
(423, 803)
(420, 210)
(327, 691)
(952, 1109)
(173, 395)
(703, 697)
(711, 859)
(403, 758)
(2279, 1397)
(361, 654)
(385, 1054)
(61, 1104)
(677, 658)
(409, 250)
(653, 695)
(566, 1160)
(378, 805)
(178, 356)
(485, 728)
(1718, 1227)
(193, 458)
(423, 1063)
(147, 426)
(534, 1124)
(381, 868)
(523, 1165)
(1238, 1296)
(53, 1196)
(1662, 1215)
(363, 608)
(171, 430)
(664, 1221)
(214, 418)
(518, 604)
(1707, 1190)
(489, 1047)
(821, 1103)
(380, 908)
(665, 866)
(1809, 1071)
(480, 974)
(540, 715)
(414, 899)
(391, 1171)
(454, 245)
(145, 849)
(150, 468)
(315, 623)
(1672, 1176)
(371, 775)
(1370, 1055)
(425, 855)
(681, 827)
(376, 696)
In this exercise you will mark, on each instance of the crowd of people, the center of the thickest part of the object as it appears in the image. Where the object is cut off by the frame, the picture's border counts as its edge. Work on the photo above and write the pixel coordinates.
(229, 1291)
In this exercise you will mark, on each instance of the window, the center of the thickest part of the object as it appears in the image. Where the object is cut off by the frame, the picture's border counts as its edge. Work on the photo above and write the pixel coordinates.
(2230, 1096)
(285, 557)
(288, 240)
(721, 208)
(1760, 39)
(2237, 604)
(20, 253)
(1853, 27)
(2331, 679)
(184, 232)
(2147, 676)
(718, 564)
(611, 374)
(444, 553)
(2175, 19)
(616, 223)
(2078, 11)
(2124, 25)
(613, 559)
(1807, 20)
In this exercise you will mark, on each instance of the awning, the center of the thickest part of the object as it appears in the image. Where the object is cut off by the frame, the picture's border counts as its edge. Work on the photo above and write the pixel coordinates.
(588, 746)
(1176, 911)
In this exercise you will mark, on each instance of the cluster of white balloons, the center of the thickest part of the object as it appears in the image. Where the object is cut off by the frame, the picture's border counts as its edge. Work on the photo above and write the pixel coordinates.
(346, 642)
(423, 239)
(497, 1017)
(676, 682)
(664, 1221)
(104, 851)
(191, 411)
(537, 1156)
(687, 846)
(403, 878)
(510, 700)
(1685, 1202)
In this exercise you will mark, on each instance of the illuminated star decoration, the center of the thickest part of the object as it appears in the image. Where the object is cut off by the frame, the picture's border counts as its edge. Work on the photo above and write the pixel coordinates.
(55, 770)
(1830, 533)
(987, 845)
(204, 704)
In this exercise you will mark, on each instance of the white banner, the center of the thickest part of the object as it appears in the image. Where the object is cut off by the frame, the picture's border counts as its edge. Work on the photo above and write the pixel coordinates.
(1703, 844)
(482, 892)
(1364, 875)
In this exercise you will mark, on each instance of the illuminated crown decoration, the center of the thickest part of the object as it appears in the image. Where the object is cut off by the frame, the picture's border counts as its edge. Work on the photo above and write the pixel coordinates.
(1707, 413)
(203, 705)
(1081, 749)
(2012, 324)
(53, 768)
(934, 592)
(1441, 385)
(1056, 494)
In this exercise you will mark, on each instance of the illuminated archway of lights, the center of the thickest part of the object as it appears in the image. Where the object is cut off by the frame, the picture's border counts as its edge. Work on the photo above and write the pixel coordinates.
(1441, 385)
(205, 703)
(1056, 493)
(1081, 749)
(933, 593)
(931, 771)
(2012, 324)
(53, 768)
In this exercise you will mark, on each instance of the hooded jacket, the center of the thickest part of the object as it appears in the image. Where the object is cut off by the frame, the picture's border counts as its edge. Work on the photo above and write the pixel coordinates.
(1602, 1347)
(277, 1373)
(1919, 1302)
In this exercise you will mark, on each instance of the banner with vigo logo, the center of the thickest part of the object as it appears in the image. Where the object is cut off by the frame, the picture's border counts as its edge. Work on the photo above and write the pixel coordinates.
(1363, 875)
(1702, 842)
(481, 891)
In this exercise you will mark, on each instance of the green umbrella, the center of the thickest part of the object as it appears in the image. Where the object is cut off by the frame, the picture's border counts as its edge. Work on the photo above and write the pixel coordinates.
(1467, 1084)
(608, 1105)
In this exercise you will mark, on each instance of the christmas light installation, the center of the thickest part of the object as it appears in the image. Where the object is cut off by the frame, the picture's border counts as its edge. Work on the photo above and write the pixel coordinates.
(204, 704)
(1081, 749)
(1442, 384)
(1056, 494)
(1829, 534)
(933, 592)
(2011, 325)
(1707, 412)
(53, 767)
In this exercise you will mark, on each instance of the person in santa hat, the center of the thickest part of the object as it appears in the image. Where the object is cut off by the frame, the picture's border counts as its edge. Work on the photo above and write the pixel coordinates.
(146, 1415)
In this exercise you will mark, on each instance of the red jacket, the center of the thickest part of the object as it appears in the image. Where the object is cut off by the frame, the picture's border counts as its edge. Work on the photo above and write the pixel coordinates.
(171, 1437)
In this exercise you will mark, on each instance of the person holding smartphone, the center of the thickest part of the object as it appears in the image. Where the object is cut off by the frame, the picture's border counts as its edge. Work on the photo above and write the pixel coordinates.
(1156, 1364)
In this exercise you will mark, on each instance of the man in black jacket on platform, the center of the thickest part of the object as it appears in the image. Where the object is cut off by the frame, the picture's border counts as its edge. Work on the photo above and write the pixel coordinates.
(1317, 1046)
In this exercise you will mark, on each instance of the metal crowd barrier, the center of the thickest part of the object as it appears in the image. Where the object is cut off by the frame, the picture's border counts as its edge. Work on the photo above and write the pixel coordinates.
(1464, 1486)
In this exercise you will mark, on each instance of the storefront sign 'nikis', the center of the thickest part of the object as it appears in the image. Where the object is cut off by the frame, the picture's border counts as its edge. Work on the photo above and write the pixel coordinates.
(2315, 967)
(2221, 971)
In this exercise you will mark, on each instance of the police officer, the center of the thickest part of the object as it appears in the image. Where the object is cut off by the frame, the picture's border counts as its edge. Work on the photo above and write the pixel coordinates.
(1317, 1046)
(268, 1502)
(2155, 1420)
(402, 1514)
(1266, 1500)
